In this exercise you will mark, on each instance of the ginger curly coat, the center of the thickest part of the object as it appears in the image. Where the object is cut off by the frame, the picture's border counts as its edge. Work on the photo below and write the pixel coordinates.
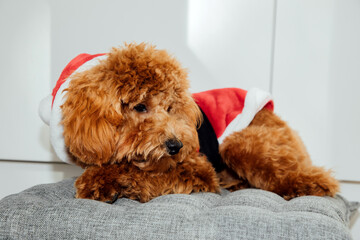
(121, 116)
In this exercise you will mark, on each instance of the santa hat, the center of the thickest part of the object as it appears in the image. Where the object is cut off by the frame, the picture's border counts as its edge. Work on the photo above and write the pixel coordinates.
(232, 109)
(49, 109)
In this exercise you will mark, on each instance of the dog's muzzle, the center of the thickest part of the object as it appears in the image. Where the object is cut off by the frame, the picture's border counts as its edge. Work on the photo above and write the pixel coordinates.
(173, 146)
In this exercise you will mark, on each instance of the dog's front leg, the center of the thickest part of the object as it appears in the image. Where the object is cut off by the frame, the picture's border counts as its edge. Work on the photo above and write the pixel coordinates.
(109, 182)
(99, 183)
(195, 174)
(270, 156)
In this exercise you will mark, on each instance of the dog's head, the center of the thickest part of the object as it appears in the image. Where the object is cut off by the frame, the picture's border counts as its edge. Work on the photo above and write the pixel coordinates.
(134, 106)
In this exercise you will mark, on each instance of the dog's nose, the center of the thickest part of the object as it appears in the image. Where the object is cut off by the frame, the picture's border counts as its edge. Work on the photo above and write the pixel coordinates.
(173, 146)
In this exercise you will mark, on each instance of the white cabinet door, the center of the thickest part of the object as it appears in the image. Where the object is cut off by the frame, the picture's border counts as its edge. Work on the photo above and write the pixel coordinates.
(317, 79)
(25, 79)
(232, 39)
(222, 43)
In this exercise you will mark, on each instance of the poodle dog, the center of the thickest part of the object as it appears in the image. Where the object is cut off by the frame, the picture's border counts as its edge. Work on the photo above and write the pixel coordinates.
(128, 118)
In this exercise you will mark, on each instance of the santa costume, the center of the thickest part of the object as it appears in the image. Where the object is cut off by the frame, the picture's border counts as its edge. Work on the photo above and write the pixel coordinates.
(224, 110)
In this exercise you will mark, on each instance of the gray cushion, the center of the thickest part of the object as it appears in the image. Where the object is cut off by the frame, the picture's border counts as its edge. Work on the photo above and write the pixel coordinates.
(51, 212)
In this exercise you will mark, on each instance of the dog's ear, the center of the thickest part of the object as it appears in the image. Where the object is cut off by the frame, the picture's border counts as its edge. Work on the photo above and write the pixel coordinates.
(198, 115)
(91, 116)
(194, 112)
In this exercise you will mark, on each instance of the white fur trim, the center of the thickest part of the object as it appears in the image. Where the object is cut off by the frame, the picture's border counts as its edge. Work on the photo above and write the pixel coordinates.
(255, 100)
(45, 109)
(56, 128)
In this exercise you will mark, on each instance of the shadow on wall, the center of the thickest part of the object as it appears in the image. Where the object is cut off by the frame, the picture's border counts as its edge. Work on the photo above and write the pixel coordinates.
(64, 171)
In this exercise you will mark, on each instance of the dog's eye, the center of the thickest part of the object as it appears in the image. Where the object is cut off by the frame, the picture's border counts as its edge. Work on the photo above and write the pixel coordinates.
(169, 109)
(140, 108)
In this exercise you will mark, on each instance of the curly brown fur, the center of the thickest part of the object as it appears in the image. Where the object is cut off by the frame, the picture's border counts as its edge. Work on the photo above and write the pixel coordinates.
(124, 149)
(272, 157)
(103, 130)
(100, 108)
(126, 180)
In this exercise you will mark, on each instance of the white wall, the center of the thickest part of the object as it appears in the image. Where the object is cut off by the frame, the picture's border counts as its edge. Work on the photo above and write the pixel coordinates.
(25, 72)
(17, 176)
(199, 33)
(316, 79)
(234, 52)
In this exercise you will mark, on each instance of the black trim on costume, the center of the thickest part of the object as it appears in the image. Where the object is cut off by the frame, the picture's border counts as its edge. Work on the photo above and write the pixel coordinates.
(209, 144)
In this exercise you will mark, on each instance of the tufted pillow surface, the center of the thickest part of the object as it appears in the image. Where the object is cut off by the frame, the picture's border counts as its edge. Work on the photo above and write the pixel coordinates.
(50, 211)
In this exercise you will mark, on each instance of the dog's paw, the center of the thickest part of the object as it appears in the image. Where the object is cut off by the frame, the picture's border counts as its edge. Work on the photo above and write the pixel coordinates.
(202, 177)
(206, 187)
(114, 198)
(102, 193)
(311, 191)
(319, 184)
(229, 180)
(94, 184)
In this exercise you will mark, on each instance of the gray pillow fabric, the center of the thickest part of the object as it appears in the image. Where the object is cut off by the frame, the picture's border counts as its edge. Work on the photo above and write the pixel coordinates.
(50, 211)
